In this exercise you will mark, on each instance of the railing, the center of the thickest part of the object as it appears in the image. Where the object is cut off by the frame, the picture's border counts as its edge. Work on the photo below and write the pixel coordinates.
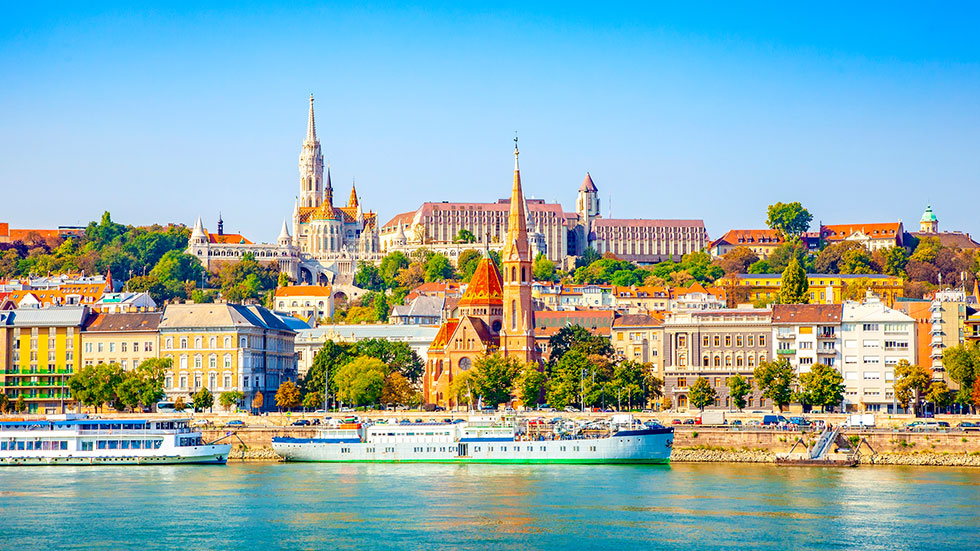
(786, 351)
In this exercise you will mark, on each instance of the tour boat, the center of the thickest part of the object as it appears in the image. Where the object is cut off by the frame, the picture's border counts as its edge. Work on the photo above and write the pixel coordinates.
(78, 440)
(484, 439)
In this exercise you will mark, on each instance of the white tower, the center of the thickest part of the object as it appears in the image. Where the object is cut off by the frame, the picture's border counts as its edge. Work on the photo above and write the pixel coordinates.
(311, 166)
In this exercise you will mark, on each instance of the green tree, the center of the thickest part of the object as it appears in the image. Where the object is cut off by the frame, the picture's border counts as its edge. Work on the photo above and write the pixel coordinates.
(467, 262)
(794, 287)
(579, 338)
(589, 255)
(629, 384)
(464, 236)
(179, 404)
(822, 386)
(397, 390)
(775, 380)
(369, 277)
(438, 268)
(760, 267)
(788, 218)
(962, 364)
(461, 390)
(96, 385)
(701, 394)
(283, 280)
(857, 261)
(203, 399)
(258, 401)
(782, 255)
(4, 404)
(738, 388)
(738, 260)
(20, 405)
(939, 394)
(565, 379)
(390, 266)
(543, 269)
(360, 381)
(493, 378)
(381, 308)
(312, 401)
(892, 261)
(288, 396)
(173, 270)
(911, 382)
(927, 249)
(530, 385)
(230, 398)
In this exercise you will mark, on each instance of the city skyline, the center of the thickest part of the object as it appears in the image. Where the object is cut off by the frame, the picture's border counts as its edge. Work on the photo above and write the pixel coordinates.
(654, 104)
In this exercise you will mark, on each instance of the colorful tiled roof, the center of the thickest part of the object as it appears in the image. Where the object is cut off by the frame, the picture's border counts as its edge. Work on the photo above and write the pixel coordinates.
(304, 291)
(750, 237)
(228, 239)
(839, 232)
(485, 287)
(806, 313)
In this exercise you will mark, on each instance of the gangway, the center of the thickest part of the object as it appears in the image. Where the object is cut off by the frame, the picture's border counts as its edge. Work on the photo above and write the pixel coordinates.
(824, 443)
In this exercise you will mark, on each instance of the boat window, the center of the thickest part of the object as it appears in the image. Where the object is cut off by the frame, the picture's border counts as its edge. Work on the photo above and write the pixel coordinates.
(136, 444)
(30, 445)
(3, 446)
(102, 444)
(113, 444)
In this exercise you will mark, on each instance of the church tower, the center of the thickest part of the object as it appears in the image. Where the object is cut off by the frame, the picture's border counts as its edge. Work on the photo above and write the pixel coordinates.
(929, 223)
(517, 337)
(310, 166)
(587, 207)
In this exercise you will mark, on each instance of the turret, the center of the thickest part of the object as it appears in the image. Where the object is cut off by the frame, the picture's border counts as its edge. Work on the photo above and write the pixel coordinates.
(311, 166)
(285, 239)
(197, 234)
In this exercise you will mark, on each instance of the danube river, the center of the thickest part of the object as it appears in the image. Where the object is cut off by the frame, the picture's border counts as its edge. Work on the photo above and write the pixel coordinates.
(421, 506)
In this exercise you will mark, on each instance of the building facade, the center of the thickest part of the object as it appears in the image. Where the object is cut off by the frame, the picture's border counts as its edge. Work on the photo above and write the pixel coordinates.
(715, 345)
(824, 288)
(41, 349)
(126, 339)
(807, 334)
(310, 303)
(226, 347)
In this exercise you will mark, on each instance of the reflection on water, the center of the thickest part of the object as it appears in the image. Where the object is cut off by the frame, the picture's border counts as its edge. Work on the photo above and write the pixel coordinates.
(412, 506)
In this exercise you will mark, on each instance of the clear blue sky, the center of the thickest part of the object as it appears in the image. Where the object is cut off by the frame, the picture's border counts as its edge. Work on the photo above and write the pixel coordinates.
(864, 112)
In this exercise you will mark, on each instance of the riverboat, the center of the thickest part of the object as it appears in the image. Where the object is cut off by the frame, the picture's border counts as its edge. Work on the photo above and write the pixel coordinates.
(484, 439)
(78, 440)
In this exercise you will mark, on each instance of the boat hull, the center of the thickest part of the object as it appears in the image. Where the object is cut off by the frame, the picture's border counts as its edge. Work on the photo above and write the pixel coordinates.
(203, 455)
(650, 446)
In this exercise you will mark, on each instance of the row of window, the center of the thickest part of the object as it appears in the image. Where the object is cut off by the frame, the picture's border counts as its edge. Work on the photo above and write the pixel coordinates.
(52, 331)
(122, 444)
(69, 356)
(123, 347)
(199, 361)
(24, 445)
(716, 340)
(198, 377)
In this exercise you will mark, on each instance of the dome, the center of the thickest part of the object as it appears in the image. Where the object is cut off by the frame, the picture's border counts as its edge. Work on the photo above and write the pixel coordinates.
(928, 215)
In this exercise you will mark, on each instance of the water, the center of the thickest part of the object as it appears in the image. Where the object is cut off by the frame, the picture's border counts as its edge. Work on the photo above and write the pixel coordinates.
(415, 506)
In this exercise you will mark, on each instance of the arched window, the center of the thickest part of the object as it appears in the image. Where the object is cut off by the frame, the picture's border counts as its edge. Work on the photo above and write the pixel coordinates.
(707, 361)
(213, 342)
(513, 273)
(227, 342)
(513, 314)
(183, 361)
(751, 361)
(717, 361)
(523, 274)
(728, 361)
(739, 361)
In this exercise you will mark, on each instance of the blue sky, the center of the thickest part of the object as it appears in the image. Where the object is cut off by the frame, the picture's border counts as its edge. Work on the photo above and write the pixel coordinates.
(863, 112)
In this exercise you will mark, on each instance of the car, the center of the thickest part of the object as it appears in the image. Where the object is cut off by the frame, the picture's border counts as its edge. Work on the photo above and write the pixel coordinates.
(800, 422)
(419, 421)
(773, 420)
(346, 410)
(736, 423)
(689, 421)
(200, 423)
(235, 423)
(301, 423)
(439, 408)
(968, 425)
(570, 409)
(676, 422)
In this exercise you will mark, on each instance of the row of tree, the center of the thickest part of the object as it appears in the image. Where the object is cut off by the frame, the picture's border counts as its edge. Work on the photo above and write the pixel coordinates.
(368, 372)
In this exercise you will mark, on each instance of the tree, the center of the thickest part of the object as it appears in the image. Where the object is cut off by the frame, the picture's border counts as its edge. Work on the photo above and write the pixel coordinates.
(794, 287)
(179, 404)
(579, 338)
(96, 385)
(775, 380)
(368, 277)
(939, 395)
(464, 236)
(360, 381)
(438, 268)
(738, 260)
(461, 390)
(760, 267)
(962, 363)
(975, 394)
(203, 399)
(565, 378)
(822, 386)
(4, 404)
(857, 261)
(312, 401)
(493, 378)
(230, 398)
(288, 396)
(701, 394)
(389, 267)
(20, 405)
(589, 255)
(780, 257)
(911, 382)
(397, 390)
(738, 388)
(530, 385)
(892, 260)
(829, 259)
(788, 218)
(381, 308)
(258, 401)
(411, 276)
(629, 383)
(543, 269)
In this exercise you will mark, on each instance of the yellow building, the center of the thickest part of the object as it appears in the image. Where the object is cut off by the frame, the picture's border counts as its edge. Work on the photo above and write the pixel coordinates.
(824, 288)
(640, 338)
(226, 347)
(41, 351)
(126, 339)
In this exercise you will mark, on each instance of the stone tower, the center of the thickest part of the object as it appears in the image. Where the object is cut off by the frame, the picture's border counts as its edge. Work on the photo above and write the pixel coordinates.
(517, 337)
(929, 223)
(310, 166)
(587, 207)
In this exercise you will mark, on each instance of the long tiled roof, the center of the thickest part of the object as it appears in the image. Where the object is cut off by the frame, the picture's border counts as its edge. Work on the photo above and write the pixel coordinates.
(304, 291)
(806, 313)
(220, 315)
(137, 321)
(750, 237)
(952, 240)
(838, 232)
(646, 223)
(53, 316)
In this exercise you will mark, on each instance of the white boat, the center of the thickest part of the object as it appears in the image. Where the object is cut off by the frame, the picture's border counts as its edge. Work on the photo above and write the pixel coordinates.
(484, 440)
(78, 440)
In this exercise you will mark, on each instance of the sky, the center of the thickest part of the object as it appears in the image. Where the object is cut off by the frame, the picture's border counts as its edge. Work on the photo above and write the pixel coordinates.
(864, 112)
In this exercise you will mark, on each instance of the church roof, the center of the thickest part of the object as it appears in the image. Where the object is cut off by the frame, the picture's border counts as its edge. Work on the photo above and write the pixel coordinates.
(228, 239)
(486, 286)
(588, 184)
(928, 215)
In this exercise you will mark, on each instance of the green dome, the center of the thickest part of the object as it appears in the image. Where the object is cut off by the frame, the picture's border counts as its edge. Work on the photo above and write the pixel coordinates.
(928, 215)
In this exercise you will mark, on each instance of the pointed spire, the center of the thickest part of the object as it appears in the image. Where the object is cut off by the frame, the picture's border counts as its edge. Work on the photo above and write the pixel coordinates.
(353, 195)
(588, 184)
(311, 125)
(198, 230)
(328, 190)
(284, 232)
(516, 244)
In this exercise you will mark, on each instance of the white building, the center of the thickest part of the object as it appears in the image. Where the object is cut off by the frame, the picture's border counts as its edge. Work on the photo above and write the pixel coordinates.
(874, 340)
(807, 334)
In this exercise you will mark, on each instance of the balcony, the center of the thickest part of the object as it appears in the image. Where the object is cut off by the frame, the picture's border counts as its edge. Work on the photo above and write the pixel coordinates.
(786, 351)
(826, 351)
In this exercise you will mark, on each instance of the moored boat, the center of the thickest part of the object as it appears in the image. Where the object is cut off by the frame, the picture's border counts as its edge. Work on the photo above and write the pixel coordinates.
(484, 439)
(78, 440)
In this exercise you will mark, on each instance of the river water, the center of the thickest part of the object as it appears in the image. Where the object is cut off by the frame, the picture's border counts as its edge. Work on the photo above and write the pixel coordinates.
(422, 506)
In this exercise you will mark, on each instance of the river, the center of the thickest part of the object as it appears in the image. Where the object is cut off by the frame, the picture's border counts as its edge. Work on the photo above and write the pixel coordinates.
(421, 506)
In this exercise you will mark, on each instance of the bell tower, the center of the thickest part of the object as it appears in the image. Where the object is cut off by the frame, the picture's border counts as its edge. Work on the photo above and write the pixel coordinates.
(310, 166)
(517, 336)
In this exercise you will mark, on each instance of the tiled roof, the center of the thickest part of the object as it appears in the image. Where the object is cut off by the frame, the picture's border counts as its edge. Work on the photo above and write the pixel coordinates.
(403, 219)
(585, 318)
(638, 320)
(485, 287)
(640, 222)
(228, 239)
(220, 315)
(952, 240)
(425, 306)
(806, 313)
(66, 316)
(304, 291)
(750, 237)
(588, 184)
(142, 321)
(838, 232)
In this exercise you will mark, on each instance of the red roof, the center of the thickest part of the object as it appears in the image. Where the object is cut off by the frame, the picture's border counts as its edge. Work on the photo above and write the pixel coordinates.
(839, 232)
(640, 222)
(750, 237)
(485, 287)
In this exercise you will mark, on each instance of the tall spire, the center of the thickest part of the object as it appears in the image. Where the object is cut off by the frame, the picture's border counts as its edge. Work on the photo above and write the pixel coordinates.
(516, 244)
(311, 125)
(353, 195)
(328, 190)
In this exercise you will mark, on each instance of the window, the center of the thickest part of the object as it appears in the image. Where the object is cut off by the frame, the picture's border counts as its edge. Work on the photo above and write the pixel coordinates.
(122, 347)
(682, 382)
(183, 342)
(213, 361)
(872, 359)
(751, 340)
(197, 342)
(871, 375)
(227, 342)
(704, 340)
(197, 380)
(183, 381)
(88, 347)
(227, 380)
(706, 361)
(183, 361)
(870, 327)
(213, 342)
(717, 340)
(100, 347)
(762, 340)
(227, 361)
(870, 343)
(147, 346)
(213, 380)
(728, 340)
(169, 342)
(738, 340)
(243, 342)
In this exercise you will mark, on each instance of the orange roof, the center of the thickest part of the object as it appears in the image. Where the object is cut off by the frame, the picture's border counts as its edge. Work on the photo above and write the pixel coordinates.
(304, 291)
(486, 286)
(645, 291)
(838, 232)
(45, 296)
(228, 239)
(90, 292)
(446, 330)
(750, 237)
(20, 235)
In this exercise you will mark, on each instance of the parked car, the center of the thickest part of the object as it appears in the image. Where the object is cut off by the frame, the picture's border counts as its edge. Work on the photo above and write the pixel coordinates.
(676, 422)
(968, 425)
(800, 422)
(235, 423)
(736, 423)
(774, 420)
(689, 421)
(570, 409)
(924, 426)
(301, 423)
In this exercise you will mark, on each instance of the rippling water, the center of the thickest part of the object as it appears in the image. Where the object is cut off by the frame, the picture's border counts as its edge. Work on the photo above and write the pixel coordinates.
(417, 506)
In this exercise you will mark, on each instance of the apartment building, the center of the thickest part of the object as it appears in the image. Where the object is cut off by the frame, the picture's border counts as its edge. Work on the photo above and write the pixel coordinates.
(807, 334)
(126, 339)
(874, 339)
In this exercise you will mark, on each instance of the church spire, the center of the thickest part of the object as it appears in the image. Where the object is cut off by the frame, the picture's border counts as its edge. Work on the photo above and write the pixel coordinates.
(311, 125)
(328, 190)
(517, 336)
(353, 196)
(516, 245)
